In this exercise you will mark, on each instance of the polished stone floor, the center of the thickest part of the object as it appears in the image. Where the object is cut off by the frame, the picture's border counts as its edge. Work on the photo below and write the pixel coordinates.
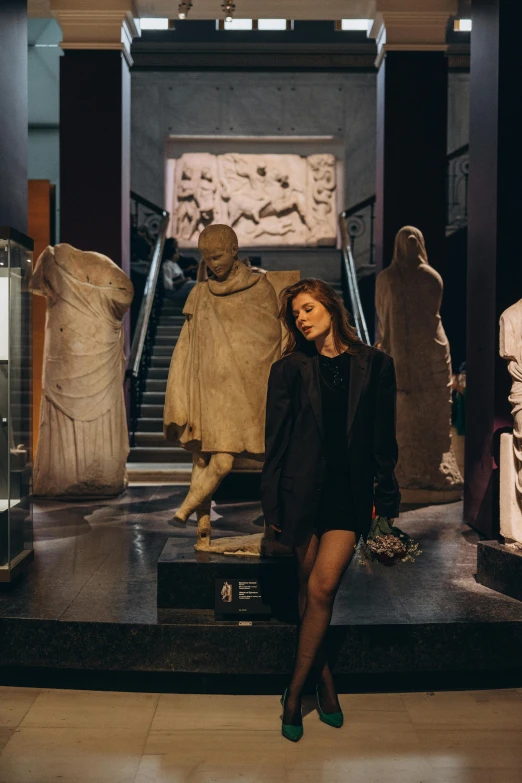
(51, 736)
(96, 561)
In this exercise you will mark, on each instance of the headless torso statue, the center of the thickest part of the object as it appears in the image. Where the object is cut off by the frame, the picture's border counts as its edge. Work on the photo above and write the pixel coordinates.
(216, 391)
(83, 443)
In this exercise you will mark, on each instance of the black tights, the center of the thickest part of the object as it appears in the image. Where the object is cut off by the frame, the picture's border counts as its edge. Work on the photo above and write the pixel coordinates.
(322, 562)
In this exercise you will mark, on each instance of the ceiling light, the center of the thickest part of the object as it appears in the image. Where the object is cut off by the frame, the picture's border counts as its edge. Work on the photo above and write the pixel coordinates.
(184, 8)
(228, 9)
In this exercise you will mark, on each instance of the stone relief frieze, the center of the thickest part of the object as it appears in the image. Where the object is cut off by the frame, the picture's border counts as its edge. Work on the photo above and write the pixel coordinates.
(267, 199)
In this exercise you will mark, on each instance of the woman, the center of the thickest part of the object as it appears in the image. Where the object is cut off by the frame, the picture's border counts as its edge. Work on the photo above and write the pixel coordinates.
(330, 455)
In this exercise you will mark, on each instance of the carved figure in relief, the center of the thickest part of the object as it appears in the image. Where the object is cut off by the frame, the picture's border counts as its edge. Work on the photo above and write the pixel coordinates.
(511, 350)
(205, 195)
(323, 183)
(83, 443)
(243, 187)
(272, 198)
(188, 212)
(216, 391)
(407, 300)
(287, 199)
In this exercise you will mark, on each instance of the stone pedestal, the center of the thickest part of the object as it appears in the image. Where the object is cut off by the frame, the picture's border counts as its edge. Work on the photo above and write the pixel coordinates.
(510, 507)
(499, 566)
(186, 578)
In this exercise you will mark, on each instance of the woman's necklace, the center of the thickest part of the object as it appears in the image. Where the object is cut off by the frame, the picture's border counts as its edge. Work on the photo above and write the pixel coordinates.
(330, 368)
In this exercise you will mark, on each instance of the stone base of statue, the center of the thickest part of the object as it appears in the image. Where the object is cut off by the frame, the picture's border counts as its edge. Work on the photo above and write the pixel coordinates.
(255, 545)
(187, 578)
(499, 567)
(510, 506)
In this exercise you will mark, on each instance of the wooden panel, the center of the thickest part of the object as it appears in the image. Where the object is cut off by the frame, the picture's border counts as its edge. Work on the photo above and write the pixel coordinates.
(41, 196)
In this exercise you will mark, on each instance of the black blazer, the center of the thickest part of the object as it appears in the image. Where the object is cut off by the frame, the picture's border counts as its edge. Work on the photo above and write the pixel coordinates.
(295, 461)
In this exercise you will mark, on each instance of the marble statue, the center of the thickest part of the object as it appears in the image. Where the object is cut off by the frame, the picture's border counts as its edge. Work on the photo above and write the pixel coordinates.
(511, 445)
(83, 442)
(216, 391)
(267, 199)
(407, 299)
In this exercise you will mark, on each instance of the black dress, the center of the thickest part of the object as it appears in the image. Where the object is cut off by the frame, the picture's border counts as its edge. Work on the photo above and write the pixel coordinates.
(336, 510)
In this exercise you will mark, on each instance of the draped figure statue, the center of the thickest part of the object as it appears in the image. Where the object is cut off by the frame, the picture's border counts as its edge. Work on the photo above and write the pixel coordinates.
(83, 442)
(407, 300)
(216, 391)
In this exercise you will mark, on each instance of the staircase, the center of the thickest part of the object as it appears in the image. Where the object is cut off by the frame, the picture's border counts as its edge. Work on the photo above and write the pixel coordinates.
(153, 459)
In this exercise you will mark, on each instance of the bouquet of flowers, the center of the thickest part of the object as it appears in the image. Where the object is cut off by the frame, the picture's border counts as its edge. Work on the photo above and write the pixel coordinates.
(389, 544)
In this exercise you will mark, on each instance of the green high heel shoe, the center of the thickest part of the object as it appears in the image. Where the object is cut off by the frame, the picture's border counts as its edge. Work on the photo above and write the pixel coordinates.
(292, 733)
(335, 719)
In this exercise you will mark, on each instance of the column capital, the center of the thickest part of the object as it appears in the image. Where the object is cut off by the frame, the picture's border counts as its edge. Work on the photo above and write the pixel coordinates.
(95, 24)
(411, 25)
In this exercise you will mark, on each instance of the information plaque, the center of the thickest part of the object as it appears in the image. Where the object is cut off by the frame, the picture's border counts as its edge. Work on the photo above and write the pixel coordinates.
(240, 598)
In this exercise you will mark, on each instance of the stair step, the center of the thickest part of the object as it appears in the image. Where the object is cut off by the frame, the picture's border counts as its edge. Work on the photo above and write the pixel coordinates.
(167, 329)
(153, 398)
(170, 310)
(162, 350)
(171, 320)
(165, 339)
(158, 473)
(158, 373)
(163, 360)
(146, 424)
(156, 454)
(152, 411)
(155, 385)
(152, 439)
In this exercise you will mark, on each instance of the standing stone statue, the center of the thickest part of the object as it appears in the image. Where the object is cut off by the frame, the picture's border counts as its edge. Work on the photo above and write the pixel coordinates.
(83, 442)
(511, 445)
(407, 299)
(216, 391)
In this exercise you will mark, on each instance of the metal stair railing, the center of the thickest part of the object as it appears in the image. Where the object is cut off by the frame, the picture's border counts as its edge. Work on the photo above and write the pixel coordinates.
(145, 330)
(349, 279)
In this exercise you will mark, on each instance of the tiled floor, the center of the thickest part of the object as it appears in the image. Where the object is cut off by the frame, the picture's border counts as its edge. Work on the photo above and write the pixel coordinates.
(61, 736)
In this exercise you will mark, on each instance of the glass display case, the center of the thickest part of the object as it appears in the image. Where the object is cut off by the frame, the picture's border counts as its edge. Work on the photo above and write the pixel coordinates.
(16, 521)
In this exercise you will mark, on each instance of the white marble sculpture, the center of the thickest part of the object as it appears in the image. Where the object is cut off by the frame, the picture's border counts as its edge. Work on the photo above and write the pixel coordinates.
(511, 445)
(83, 442)
(267, 199)
(407, 299)
(216, 391)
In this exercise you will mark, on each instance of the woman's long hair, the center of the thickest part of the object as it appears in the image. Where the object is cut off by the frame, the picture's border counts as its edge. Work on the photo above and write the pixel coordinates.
(344, 334)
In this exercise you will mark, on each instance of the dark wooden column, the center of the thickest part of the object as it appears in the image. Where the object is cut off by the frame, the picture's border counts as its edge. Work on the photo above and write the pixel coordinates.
(412, 97)
(494, 266)
(95, 152)
(13, 114)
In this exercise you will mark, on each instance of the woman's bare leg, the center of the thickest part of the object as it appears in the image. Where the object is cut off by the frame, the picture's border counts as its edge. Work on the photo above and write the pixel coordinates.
(336, 548)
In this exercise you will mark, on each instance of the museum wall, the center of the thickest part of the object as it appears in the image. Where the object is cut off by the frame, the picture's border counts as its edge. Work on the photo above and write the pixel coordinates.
(341, 105)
